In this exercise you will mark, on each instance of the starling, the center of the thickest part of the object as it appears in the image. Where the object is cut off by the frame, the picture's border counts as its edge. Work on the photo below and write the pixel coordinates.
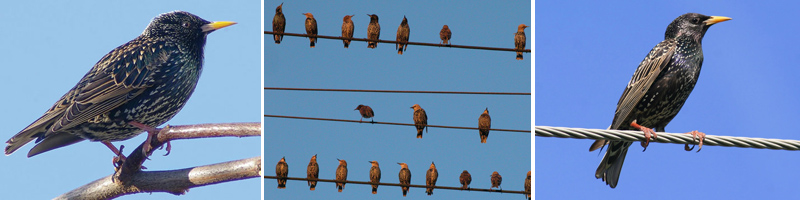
(484, 124)
(402, 36)
(445, 35)
(347, 29)
(366, 112)
(278, 24)
(341, 174)
(312, 172)
(282, 171)
(420, 119)
(465, 179)
(496, 180)
(373, 31)
(375, 176)
(520, 40)
(658, 89)
(311, 28)
(142, 83)
(528, 186)
(430, 179)
(405, 177)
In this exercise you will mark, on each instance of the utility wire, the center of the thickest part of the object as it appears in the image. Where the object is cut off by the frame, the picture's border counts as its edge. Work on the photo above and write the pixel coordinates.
(395, 42)
(391, 123)
(397, 184)
(396, 91)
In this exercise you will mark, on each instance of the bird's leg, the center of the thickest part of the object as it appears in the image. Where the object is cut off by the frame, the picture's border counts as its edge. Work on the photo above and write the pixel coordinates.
(119, 158)
(647, 132)
(700, 135)
(151, 132)
(373, 120)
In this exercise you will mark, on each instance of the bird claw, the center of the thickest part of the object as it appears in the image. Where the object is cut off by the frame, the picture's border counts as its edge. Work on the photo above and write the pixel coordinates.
(647, 132)
(700, 135)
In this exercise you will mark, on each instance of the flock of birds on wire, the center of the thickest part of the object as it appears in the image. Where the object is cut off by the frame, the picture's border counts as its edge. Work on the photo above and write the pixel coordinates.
(421, 120)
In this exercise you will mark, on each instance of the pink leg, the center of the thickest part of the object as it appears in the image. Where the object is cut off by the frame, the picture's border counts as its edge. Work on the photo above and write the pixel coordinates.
(119, 158)
(150, 133)
(700, 135)
(647, 132)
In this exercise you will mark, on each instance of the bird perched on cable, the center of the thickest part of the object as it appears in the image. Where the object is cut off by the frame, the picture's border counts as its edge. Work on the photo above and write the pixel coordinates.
(347, 29)
(430, 179)
(496, 180)
(445, 35)
(366, 112)
(420, 119)
(373, 31)
(282, 171)
(520, 40)
(658, 89)
(311, 28)
(341, 174)
(312, 172)
(402, 36)
(465, 179)
(405, 177)
(528, 185)
(374, 176)
(278, 24)
(484, 124)
(134, 88)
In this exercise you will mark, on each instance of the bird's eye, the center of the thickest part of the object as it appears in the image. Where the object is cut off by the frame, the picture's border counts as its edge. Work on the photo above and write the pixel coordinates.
(185, 24)
(695, 20)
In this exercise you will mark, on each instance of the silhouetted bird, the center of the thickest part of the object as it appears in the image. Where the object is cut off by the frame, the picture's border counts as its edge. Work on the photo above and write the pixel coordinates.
(402, 36)
(484, 124)
(405, 177)
(430, 179)
(528, 186)
(311, 28)
(520, 40)
(375, 176)
(366, 112)
(278, 24)
(312, 172)
(496, 180)
(465, 179)
(282, 171)
(341, 174)
(445, 35)
(420, 119)
(373, 31)
(347, 29)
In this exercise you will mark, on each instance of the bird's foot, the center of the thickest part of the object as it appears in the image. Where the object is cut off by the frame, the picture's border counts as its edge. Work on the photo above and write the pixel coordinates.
(151, 132)
(119, 159)
(647, 132)
(696, 134)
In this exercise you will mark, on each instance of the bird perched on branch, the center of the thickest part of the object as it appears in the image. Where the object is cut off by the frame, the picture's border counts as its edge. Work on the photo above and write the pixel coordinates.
(484, 124)
(373, 31)
(445, 35)
(402, 36)
(465, 179)
(341, 174)
(374, 176)
(405, 177)
(365, 111)
(278, 24)
(312, 172)
(311, 28)
(658, 89)
(134, 88)
(347, 29)
(420, 119)
(282, 171)
(528, 185)
(430, 179)
(496, 180)
(520, 40)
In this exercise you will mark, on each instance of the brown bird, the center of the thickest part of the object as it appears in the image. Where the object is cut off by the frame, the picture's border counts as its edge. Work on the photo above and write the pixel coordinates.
(282, 171)
(311, 28)
(520, 40)
(496, 180)
(278, 24)
(402, 36)
(445, 35)
(405, 177)
(312, 172)
(375, 176)
(430, 179)
(341, 174)
(484, 124)
(373, 31)
(347, 29)
(465, 179)
(420, 119)
(366, 112)
(528, 186)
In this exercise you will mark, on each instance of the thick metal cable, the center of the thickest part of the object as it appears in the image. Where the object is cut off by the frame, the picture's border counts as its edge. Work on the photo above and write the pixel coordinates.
(391, 123)
(396, 91)
(410, 185)
(411, 43)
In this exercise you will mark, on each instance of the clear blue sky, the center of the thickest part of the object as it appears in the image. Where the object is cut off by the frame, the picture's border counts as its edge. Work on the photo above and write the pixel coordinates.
(48, 47)
(586, 54)
(293, 64)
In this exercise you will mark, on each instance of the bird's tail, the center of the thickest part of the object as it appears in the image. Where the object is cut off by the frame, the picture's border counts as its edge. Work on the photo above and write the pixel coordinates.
(374, 189)
(429, 191)
(346, 43)
(405, 191)
(312, 185)
(519, 56)
(281, 184)
(611, 166)
(419, 133)
(312, 44)
(339, 186)
(483, 138)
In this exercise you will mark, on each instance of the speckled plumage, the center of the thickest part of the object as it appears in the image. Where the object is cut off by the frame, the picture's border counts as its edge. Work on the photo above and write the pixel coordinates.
(278, 24)
(465, 179)
(374, 176)
(347, 29)
(430, 179)
(365, 111)
(420, 119)
(445, 35)
(373, 31)
(484, 125)
(341, 174)
(528, 186)
(312, 171)
(402, 36)
(496, 180)
(520, 40)
(282, 171)
(311, 28)
(405, 177)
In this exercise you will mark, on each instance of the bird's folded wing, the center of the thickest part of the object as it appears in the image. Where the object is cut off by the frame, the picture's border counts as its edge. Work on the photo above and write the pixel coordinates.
(645, 75)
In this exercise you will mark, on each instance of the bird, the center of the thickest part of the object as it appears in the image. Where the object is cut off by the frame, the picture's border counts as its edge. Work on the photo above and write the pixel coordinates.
(657, 90)
(375, 176)
(402, 36)
(347, 29)
(528, 186)
(373, 31)
(520, 40)
(282, 171)
(496, 180)
(135, 87)
(311, 28)
(420, 119)
(445, 35)
(465, 179)
(405, 177)
(312, 172)
(366, 112)
(278, 24)
(484, 124)
(430, 179)
(341, 174)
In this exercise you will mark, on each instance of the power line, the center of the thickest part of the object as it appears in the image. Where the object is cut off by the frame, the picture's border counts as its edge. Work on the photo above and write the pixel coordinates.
(392, 123)
(396, 91)
(397, 184)
(395, 42)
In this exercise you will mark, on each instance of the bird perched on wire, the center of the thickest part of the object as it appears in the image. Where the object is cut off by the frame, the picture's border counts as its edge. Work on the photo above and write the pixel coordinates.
(402, 36)
(365, 111)
(465, 179)
(312, 172)
(278, 24)
(528, 185)
(520, 40)
(484, 124)
(374, 176)
(420, 119)
(373, 31)
(341, 174)
(282, 171)
(347, 29)
(496, 180)
(134, 88)
(430, 179)
(445, 35)
(658, 89)
(311, 28)
(405, 177)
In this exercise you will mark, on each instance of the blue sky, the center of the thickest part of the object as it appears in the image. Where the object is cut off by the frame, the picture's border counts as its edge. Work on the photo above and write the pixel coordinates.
(48, 47)
(293, 64)
(586, 54)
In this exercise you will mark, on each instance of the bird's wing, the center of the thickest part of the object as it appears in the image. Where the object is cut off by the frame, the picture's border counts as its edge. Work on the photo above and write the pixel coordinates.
(655, 62)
